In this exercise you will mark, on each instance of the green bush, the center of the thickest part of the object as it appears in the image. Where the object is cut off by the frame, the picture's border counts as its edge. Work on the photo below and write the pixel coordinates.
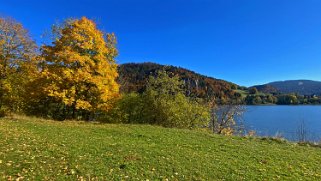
(4, 111)
(163, 103)
(128, 109)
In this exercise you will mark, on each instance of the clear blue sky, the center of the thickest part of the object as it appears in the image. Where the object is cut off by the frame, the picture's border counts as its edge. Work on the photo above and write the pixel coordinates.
(243, 41)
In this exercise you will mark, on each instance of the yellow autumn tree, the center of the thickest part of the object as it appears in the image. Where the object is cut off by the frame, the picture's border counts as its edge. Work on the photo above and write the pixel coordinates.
(17, 59)
(79, 70)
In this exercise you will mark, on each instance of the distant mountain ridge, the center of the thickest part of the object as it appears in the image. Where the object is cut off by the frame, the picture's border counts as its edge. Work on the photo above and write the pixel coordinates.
(301, 87)
(133, 78)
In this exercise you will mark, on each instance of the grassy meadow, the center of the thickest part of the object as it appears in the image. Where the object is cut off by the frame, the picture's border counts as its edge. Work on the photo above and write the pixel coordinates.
(35, 149)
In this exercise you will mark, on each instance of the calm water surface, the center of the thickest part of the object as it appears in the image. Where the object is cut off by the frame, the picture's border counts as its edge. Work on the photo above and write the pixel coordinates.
(284, 120)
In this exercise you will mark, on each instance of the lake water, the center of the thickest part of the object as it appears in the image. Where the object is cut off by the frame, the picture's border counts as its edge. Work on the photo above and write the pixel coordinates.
(284, 120)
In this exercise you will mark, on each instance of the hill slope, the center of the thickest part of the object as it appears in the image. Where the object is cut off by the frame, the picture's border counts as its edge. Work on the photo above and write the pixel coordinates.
(302, 87)
(48, 150)
(133, 77)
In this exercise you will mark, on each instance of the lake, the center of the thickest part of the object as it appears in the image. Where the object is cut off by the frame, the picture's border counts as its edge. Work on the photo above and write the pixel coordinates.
(284, 120)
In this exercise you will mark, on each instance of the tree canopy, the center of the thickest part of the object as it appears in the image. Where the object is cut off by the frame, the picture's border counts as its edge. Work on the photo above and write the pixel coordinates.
(78, 69)
(17, 55)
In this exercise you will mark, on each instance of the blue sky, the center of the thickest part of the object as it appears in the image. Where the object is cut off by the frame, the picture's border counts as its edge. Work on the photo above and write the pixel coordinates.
(243, 41)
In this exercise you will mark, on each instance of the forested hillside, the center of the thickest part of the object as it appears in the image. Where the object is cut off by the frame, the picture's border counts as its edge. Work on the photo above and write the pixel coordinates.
(267, 89)
(301, 87)
(133, 78)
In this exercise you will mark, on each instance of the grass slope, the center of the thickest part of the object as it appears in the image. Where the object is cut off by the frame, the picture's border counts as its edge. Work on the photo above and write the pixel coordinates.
(46, 150)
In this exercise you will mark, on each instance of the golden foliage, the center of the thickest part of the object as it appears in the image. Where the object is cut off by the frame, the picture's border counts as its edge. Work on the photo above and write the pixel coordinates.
(17, 55)
(79, 67)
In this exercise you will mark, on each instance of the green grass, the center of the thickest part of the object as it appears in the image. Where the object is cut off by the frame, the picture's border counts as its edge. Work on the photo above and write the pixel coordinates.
(243, 93)
(36, 149)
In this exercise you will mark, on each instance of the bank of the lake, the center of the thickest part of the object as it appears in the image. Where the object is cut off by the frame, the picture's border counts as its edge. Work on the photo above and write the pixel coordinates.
(271, 120)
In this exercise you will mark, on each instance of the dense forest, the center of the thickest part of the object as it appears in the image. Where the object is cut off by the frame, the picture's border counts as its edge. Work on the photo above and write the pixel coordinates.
(133, 78)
